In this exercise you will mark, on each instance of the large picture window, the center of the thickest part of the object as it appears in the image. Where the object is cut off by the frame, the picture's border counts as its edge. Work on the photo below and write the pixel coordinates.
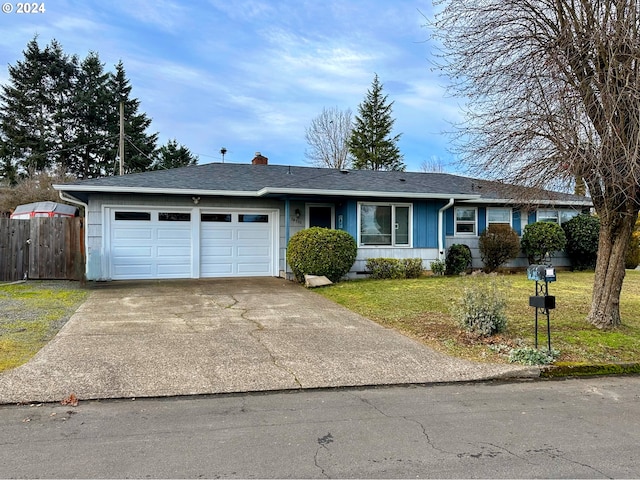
(466, 220)
(385, 224)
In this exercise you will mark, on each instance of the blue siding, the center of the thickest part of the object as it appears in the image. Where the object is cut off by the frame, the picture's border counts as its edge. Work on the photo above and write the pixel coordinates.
(432, 224)
(420, 238)
(516, 222)
(349, 211)
(449, 221)
(482, 219)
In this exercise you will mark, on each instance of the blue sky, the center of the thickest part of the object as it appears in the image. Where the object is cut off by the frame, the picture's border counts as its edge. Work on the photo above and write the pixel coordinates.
(250, 75)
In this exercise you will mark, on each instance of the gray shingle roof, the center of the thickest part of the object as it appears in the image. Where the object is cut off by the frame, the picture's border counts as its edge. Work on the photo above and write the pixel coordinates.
(266, 180)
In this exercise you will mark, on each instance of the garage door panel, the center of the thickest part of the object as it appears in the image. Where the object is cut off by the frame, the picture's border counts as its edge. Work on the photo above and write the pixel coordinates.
(132, 233)
(253, 251)
(132, 252)
(216, 252)
(217, 269)
(253, 234)
(170, 234)
(174, 251)
(173, 271)
(212, 234)
(133, 271)
(254, 268)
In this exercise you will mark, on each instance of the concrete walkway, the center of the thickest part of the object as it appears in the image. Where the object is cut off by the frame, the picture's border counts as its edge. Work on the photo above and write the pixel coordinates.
(165, 338)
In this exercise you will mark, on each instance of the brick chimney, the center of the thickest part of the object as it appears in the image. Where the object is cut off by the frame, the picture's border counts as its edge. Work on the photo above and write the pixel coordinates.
(259, 159)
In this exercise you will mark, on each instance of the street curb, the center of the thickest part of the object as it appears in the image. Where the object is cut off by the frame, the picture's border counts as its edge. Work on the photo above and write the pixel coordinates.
(583, 369)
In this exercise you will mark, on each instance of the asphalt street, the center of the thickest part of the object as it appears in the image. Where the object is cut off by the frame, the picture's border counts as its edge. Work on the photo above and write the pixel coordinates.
(578, 428)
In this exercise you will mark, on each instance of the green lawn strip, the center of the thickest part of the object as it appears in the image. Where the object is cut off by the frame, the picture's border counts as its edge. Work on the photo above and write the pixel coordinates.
(422, 309)
(31, 315)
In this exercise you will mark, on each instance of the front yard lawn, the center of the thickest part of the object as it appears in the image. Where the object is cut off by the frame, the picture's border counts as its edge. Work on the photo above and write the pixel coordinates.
(31, 314)
(422, 309)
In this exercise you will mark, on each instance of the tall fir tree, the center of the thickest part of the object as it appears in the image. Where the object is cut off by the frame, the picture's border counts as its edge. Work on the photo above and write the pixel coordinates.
(32, 105)
(140, 147)
(173, 155)
(92, 102)
(371, 144)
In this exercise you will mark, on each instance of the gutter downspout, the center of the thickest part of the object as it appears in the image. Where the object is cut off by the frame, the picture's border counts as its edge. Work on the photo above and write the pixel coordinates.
(69, 199)
(441, 228)
(287, 235)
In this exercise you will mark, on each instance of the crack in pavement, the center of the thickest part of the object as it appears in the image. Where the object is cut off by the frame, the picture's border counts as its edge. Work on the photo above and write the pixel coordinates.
(322, 442)
(555, 453)
(243, 314)
(409, 420)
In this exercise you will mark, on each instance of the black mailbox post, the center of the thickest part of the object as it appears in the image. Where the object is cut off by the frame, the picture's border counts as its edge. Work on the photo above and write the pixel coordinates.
(542, 302)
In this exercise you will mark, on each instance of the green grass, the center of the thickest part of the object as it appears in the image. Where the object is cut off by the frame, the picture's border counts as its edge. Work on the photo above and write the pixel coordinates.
(30, 316)
(422, 309)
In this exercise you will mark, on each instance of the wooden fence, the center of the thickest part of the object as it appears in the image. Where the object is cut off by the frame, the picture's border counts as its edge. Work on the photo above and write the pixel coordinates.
(42, 248)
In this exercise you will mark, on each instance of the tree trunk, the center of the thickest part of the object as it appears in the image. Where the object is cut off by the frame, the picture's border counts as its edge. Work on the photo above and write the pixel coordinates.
(615, 234)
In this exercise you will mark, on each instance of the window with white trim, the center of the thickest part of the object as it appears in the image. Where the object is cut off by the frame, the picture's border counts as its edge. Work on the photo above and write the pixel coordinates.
(548, 216)
(499, 215)
(465, 220)
(384, 224)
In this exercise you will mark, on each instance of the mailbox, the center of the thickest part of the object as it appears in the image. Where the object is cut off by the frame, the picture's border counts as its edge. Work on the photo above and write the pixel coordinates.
(541, 273)
(546, 302)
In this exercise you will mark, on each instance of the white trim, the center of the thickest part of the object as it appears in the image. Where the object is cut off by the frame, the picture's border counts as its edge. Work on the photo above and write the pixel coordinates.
(510, 201)
(455, 223)
(487, 222)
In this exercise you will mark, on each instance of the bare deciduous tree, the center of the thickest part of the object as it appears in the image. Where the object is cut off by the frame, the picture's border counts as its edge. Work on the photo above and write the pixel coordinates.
(553, 94)
(327, 137)
(432, 165)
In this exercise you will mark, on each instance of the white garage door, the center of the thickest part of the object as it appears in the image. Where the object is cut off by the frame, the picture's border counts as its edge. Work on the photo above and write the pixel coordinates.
(237, 244)
(150, 244)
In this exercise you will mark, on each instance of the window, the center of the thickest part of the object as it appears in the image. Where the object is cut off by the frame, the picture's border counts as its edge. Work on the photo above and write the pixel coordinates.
(385, 224)
(133, 216)
(320, 216)
(174, 217)
(465, 221)
(499, 215)
(548, 216)
(215, 217)
(566, 215)
(253, 218)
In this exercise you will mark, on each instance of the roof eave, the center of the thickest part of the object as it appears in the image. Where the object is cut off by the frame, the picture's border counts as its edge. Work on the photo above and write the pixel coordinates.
(363, 193)
(146, 190)
(511, 201)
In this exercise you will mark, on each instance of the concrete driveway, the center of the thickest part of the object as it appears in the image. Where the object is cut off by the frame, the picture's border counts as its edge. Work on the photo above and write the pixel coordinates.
(165, 338)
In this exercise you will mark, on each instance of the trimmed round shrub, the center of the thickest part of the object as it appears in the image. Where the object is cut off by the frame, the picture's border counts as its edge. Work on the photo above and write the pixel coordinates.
(458, 259)
(321, 251)
(582, 234)
(498, 244)
(541, 239)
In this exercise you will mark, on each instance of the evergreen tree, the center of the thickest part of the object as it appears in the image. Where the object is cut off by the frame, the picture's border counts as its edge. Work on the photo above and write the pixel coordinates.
(140, 147)
(90, 157)
(173, 155)
(371, 144)
(32, 106)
